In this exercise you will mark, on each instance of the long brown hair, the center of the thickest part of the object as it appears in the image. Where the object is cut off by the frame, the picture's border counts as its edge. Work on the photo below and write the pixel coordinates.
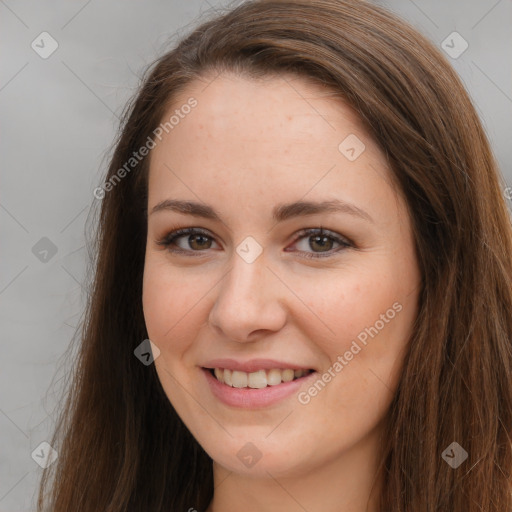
(122, 446)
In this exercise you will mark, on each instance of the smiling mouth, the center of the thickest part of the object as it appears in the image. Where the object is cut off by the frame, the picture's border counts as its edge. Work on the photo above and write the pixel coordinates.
(256, 380)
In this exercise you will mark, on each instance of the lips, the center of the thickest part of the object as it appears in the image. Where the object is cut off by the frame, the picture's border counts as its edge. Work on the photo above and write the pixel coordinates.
(255, 398)
(255, 383)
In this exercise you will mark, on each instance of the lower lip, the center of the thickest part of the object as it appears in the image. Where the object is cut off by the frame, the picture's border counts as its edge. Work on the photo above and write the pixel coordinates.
(249, 398)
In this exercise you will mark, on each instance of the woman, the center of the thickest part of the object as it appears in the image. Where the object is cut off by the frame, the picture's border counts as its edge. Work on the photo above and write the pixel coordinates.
(303, 215)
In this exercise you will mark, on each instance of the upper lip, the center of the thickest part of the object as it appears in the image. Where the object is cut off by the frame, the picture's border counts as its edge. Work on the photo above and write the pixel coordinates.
(252, 365)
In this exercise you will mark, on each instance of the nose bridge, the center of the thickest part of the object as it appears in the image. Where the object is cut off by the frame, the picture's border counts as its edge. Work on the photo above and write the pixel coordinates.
(245, 280)
(247, 300)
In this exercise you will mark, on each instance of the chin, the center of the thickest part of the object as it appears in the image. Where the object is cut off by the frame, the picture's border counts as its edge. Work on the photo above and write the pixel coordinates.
(257, 461)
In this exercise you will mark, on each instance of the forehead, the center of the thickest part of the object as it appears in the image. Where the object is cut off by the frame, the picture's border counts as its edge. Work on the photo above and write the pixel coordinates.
(274, 136)
(281, 112)
(266, 106)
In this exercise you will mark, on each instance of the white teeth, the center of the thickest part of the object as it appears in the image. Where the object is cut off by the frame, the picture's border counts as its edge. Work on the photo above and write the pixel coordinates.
(274, 377)
(239, 379)
(259, 379)
(288, 375)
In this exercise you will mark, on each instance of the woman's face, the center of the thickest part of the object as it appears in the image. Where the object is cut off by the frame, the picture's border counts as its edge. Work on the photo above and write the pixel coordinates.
(264, 165)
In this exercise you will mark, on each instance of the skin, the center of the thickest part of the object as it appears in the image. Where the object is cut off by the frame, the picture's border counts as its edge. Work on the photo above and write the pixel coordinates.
(247, 146)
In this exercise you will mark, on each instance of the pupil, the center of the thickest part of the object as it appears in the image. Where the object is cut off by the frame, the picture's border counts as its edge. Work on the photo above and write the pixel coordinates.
(194, 239)
(322, 243)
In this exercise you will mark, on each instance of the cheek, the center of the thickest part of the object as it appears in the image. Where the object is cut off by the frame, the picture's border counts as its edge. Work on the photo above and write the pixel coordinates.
(341, 307)
(366, 318)
(362, 383)
(170, 301)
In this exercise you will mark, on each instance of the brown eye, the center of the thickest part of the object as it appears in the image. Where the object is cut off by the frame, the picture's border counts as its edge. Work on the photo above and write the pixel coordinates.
(199, 242)
(319, 243)
(311, 243)
(187, 240)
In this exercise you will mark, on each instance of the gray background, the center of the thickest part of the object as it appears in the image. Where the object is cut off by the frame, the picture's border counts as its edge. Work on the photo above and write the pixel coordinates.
(60, 118)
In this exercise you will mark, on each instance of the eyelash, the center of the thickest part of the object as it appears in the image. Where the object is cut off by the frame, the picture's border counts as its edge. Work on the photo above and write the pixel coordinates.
(169, 239)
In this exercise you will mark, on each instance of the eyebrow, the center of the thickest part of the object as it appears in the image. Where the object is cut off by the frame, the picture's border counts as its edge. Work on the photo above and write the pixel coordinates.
(280, 213)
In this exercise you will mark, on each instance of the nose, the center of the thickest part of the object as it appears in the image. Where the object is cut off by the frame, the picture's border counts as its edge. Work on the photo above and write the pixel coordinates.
(250, 302)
